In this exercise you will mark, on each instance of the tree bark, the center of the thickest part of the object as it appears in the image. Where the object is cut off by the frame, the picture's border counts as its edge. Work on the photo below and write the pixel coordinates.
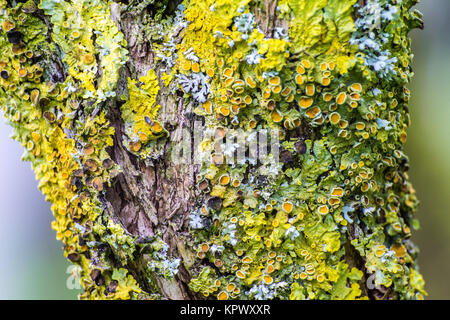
(110, 88)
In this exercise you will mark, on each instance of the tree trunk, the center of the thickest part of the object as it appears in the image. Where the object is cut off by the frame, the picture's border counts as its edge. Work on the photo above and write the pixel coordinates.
(133, 113)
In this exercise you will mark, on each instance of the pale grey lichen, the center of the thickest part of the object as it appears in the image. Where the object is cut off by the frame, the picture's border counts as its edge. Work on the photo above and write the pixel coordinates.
(245, 23)
(371, 37)
(253, 57)
(267, 292)
(195, 221)
(196, 84)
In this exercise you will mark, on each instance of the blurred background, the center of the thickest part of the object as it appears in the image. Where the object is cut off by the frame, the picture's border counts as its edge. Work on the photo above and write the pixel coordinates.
(31, 261)
(32, 265)
(428, 144)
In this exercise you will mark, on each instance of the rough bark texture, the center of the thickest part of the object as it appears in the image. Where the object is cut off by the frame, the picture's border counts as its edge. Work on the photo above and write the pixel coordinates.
(103, 98)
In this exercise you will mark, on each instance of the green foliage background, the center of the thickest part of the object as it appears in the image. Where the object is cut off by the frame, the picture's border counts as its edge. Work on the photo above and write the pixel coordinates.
(31, 261)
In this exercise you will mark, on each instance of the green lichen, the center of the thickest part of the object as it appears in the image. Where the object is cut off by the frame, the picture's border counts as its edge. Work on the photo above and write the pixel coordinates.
(139, 114)
(84, 32)
(50, 112)
(330, 80)
(343, 121)
(205, 282)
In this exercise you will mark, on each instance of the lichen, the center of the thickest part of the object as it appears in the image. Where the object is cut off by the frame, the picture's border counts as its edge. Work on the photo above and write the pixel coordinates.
(64, 137)
(330, 81)
(341, 107)
(85, 33)
(139, 114)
